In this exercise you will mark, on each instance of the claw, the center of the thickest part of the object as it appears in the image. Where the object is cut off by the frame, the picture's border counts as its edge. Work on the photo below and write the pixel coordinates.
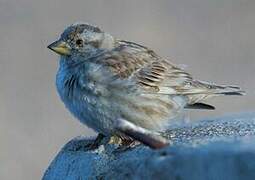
(96, 143)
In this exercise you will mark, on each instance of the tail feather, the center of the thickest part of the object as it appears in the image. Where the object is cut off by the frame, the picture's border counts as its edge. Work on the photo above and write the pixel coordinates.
(230, 91)
(222, 89)
(237, 93)
(200, 106)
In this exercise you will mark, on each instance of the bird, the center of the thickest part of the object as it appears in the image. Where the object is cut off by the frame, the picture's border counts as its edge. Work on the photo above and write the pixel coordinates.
(123, 89)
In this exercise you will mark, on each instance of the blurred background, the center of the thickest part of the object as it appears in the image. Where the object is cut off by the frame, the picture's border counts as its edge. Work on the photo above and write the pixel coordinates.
(215, 39)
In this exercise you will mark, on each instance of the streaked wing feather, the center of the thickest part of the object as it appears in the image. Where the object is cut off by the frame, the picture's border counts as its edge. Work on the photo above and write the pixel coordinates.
(164, 76)
(151, 72)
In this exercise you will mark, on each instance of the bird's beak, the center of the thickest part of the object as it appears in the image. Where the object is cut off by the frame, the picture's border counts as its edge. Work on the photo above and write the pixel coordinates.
(60, 47)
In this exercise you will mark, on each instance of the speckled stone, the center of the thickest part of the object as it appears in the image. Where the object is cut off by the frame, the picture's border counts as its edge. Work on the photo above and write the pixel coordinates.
(220, 148)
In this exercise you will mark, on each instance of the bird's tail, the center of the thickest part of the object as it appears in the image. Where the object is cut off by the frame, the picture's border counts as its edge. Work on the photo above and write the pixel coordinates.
(205, 90)
(222, 89)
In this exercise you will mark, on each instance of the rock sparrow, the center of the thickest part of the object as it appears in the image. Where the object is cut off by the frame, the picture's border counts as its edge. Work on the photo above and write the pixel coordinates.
(102, 79)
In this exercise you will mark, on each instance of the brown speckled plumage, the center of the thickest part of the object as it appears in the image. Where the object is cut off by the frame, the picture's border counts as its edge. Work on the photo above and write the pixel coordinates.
(101, 79)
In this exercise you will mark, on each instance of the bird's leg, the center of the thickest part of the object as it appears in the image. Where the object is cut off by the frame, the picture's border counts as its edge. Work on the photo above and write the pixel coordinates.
(124, 142)
(97, 142)
(115, 139)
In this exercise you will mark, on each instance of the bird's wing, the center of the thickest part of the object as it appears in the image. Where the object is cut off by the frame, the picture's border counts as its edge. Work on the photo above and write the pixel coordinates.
(162, 77)
(150, 72)
(153, 74)
(126, 59)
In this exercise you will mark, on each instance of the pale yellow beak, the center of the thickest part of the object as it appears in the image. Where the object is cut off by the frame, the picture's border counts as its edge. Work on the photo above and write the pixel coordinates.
(60, 47)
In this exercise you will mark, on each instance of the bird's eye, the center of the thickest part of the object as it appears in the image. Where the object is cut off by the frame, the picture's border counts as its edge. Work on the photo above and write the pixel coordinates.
(79, 42)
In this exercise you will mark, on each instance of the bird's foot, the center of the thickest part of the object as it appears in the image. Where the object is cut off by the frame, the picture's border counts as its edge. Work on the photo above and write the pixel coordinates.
(96, 143)
(124, 143)
(127, 145)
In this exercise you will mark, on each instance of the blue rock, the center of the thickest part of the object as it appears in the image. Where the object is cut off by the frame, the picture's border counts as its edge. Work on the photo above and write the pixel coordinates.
(215, 149)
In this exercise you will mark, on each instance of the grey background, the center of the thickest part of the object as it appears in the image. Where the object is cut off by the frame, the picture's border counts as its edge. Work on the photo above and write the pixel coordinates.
(215, 38)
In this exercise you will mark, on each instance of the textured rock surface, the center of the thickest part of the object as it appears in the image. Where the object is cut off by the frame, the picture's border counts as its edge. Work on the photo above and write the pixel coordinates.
(222, 148)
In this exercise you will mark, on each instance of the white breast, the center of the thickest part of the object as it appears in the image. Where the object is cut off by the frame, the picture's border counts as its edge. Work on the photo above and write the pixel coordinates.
(86, 98)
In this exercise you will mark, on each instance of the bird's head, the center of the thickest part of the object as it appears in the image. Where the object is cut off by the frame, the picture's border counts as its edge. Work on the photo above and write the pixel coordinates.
(81, 38)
